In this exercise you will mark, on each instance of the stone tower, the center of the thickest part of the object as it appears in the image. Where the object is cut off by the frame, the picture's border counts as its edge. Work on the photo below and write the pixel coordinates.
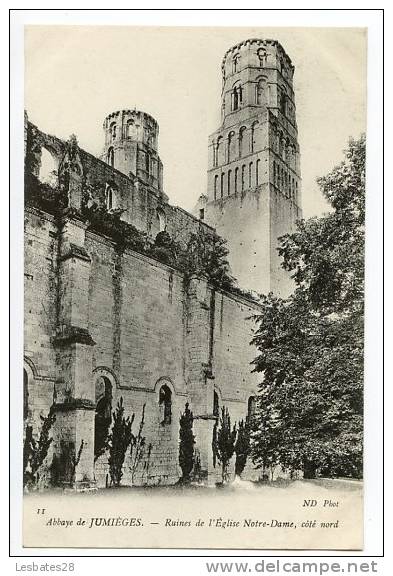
(254, 180)
(131, 139)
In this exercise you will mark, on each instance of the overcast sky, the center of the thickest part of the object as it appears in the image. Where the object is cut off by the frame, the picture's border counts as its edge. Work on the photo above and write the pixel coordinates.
(75, 76)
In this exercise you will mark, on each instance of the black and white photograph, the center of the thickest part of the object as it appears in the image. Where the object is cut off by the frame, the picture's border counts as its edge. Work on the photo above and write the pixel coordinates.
(194, 263)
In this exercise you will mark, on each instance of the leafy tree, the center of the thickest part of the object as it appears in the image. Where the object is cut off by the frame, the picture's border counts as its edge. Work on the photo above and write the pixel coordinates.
(206, 255)
(242, 446)
(119, 440)
(186, 445)
(311, 344)
(224, 440)
(35, 452)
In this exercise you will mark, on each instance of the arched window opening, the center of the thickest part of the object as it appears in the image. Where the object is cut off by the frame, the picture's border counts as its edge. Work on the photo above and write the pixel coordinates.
(219, 147)
(161, 219)
(250, 175)
(222, 184)
(111, 157)
(112, 130)
(296, 192)
(229, 182)
(103, 415)
(147, 163)
(231, 143)
(165, 403)
(253, 139)
(110, 197)
(260, 92)
(48, 171)
(25, 395)
(215, 186)
(242, 140)
(257, 173)
(236, 179)
(237, 97)
(216, 404)
(251, 409)
(243, 176)
(235, 63)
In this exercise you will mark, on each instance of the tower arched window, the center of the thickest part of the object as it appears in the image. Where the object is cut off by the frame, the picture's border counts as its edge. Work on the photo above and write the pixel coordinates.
(147, 163)
(103, 414)
(231, 144)
(111, 196)
(219, 151)
(253, 137)
(111, 156)
(215, 186)
(237, 97)
(130, 128)
(222, 184)
(236, 179)
(112, 130)
(242, 141)
(250, 175)
(257, 172)
(260, 91)
(235, 63)
(243, 176)
(165, 404)
(229, 182)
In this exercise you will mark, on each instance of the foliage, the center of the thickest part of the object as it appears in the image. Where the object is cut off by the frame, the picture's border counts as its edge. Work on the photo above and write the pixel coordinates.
(35, 452)
(43, 195)
(242, 446)
(119, 440)
(186, 445)
(311, 344)
(124, 234)
(224, 440)
(205, 255)
(138, 448)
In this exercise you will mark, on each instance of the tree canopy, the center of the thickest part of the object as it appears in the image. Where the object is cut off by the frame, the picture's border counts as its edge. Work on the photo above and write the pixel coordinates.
(310, 345)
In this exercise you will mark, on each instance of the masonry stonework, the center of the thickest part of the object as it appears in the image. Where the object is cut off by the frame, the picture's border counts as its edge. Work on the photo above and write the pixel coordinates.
(104, 321)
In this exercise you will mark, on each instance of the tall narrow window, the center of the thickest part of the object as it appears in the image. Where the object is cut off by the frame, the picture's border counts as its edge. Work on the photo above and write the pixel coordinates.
(222, 184)
(242, 139)
(111, 157)
(147, 163)
(112, 130)
(229, 182)
(25, 395)
(109, 197)
(257, 173)
(243, 176)
(103, 415)
(278, 177)
(165, 403)
(215, 186)
(250, 175)
(236, 179)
